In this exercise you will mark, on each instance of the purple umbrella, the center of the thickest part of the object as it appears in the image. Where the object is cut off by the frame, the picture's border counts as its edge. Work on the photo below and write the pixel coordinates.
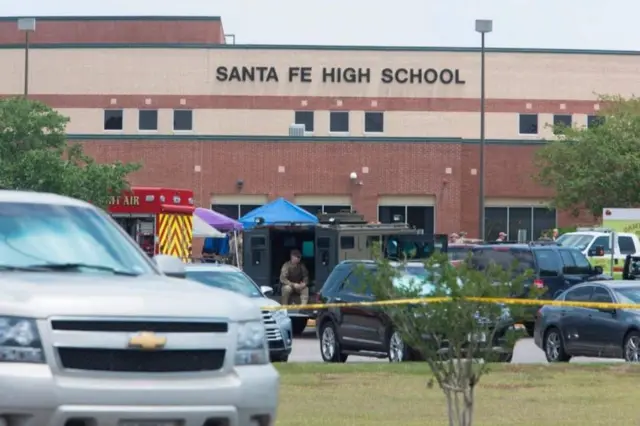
(217, 220)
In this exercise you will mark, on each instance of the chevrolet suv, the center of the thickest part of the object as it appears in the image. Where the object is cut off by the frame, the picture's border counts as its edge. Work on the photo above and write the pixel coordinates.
(92, 332)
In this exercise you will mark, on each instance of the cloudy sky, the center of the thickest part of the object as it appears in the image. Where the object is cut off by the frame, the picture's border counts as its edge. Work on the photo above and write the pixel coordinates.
(586, 24)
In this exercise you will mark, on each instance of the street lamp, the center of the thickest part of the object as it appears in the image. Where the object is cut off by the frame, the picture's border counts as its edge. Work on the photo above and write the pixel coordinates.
(483, 26)
(27, 25)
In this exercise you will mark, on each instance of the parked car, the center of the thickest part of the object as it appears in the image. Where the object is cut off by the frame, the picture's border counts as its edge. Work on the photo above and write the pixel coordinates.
(367, 330)
(563, 332)
(554, 267)
(94, 332)
(277, 323)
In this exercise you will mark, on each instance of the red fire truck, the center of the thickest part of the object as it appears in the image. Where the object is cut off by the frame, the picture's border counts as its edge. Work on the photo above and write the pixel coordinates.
(159, 219)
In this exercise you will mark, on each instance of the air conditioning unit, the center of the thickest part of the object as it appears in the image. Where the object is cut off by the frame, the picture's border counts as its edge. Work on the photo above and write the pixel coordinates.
(296, 130)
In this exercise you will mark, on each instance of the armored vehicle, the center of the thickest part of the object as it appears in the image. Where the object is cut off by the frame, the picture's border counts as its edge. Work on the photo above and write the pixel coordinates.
(337, 237)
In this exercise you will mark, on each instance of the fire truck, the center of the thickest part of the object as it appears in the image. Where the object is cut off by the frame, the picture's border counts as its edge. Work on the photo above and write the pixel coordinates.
(160, 220)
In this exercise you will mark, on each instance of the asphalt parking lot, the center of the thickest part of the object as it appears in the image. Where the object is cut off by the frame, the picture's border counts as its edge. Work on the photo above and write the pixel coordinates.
(307, 349)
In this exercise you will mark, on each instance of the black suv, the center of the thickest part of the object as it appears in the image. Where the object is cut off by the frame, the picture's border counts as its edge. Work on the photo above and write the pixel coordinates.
(554, 267)
(367, 330)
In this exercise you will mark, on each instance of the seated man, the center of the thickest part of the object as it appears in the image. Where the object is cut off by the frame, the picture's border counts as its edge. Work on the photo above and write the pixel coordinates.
(294, 277)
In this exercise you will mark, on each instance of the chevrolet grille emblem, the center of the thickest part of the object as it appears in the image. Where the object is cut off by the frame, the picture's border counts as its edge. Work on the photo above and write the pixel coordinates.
(147, 341)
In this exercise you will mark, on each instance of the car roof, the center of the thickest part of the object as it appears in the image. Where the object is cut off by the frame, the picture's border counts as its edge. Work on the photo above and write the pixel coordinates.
(373, 262)
(612, 284)
(527, 246)
(40, 198)
(218, 267)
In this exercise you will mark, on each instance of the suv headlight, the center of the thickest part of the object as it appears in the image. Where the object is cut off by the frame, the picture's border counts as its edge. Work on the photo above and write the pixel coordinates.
(20, 340)
(251, 348)
(280, 314)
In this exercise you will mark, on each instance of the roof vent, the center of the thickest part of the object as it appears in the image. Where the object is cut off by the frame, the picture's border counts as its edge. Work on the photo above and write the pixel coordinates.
(296, 130)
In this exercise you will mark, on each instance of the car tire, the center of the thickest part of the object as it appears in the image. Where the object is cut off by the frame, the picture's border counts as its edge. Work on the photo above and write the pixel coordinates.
(397, 350)
(505, 358)
(280, 358)
(298, 325)
(631, 347)
(330, 344)
(553, 345)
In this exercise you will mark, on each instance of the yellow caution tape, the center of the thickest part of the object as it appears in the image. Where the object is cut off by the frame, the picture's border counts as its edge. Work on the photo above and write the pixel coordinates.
(505, 301)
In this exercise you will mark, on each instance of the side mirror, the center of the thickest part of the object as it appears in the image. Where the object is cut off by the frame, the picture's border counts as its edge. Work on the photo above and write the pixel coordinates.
(266, 290)
(596, 251)
(171, 266)
(597, 270)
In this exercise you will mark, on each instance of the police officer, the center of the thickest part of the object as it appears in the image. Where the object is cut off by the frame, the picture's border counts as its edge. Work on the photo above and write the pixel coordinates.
(294, 277)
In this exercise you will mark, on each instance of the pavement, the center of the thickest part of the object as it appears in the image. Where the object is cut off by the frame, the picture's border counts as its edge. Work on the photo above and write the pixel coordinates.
(307, 349)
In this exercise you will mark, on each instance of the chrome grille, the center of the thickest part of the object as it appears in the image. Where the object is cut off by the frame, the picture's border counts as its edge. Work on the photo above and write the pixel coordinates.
(271, 326)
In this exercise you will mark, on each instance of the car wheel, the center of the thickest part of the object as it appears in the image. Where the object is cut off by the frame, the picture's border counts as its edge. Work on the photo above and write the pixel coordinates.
(329, 344)
(298, 325)
(632, 347)
(554, 346)
(280, 358)
(396, 349)
(505, 358)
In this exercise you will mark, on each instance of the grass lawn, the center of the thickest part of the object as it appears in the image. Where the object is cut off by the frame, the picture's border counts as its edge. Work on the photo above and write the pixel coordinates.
(511, 395)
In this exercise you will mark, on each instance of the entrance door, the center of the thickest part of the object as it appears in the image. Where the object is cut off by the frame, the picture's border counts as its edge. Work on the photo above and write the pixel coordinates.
(257, 257)
(326, 255)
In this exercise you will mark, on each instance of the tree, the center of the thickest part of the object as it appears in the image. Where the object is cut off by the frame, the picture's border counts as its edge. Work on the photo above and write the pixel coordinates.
(599, 166)
(454, 330)
(35, 156)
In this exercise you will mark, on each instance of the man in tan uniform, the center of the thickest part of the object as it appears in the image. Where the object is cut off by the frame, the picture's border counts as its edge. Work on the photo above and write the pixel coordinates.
(294, 277)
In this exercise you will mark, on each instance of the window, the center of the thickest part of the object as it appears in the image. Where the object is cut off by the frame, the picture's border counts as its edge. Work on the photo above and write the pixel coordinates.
(549, 263)
(420, 217)
(234, 211)
(520, 221)
(626, 244)
(356, 282)
(534, 220)
(582, 263)
(575, 263)
(148, 119)
(516, 261)
(113, 119)
(601, 295)
(594, 121)
(338, 122)
(373, 122)
(306, 118)
(561, 120)
(604, 242)
(567, 260)
(182, 120)
(528, 124)
(319, 209)
(335, 208)
(579, 294)
(347, 243)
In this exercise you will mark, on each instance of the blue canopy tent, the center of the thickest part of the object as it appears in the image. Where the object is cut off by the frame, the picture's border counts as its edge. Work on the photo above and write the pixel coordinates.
(279, 211)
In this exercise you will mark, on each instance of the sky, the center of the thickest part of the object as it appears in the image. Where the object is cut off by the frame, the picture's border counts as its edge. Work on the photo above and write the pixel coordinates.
(570, 24)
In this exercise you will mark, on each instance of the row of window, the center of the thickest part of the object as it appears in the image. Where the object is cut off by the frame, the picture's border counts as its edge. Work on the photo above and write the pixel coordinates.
(533, 221)
(339, 121)
(148, 119)
(529, 122)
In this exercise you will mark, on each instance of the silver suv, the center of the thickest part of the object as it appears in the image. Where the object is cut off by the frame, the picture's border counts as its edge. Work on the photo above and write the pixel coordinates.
(93, 333)
(276, 323)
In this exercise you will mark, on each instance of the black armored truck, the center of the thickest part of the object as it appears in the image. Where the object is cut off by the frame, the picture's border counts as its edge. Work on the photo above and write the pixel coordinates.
(337, 237)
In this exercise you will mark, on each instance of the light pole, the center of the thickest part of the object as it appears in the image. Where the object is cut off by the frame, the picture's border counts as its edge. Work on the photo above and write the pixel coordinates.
(27, 25)
(483, 26)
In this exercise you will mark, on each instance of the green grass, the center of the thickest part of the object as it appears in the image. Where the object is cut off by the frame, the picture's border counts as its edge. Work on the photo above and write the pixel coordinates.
(380, 394)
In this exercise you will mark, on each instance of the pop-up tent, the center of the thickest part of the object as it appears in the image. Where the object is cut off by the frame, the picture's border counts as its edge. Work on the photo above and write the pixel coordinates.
(202, 229)
(279, 211)
(217, 220)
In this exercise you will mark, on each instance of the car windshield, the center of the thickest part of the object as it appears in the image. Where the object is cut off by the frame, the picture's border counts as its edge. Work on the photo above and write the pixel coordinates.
(62, 237)
(516, 260)
(579, 241)
(628, 294)
(410, 275)
(235, 281)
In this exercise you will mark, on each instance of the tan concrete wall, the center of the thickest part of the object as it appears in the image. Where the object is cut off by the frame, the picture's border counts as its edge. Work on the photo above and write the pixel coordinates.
(276, 123)
(190, 71)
